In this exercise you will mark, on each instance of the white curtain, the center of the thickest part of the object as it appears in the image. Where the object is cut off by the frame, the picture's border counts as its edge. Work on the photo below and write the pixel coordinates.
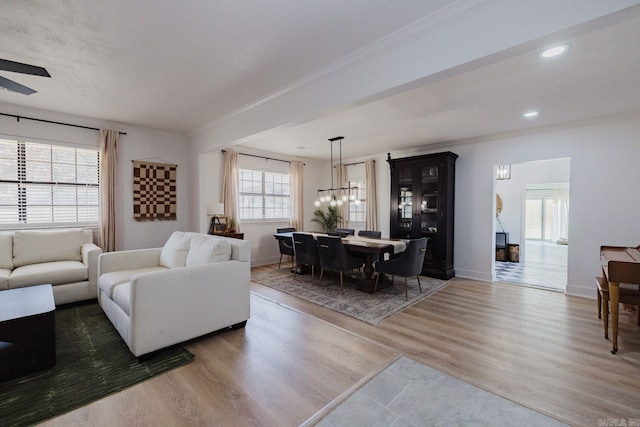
(341, 178)
(108, 141)
(371, 212)
(230, 186)
(297, 195)
(560, 222)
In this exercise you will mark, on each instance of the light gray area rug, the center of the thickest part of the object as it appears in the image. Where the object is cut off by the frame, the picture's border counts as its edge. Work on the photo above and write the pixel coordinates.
(408, 393)
(370, 308)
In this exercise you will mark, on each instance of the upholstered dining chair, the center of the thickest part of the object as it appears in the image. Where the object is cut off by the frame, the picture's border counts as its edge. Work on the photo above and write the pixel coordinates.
(349, 231)
(406, 264)
(286, 246)
(306, 252)
(370, 233)
(334, 257)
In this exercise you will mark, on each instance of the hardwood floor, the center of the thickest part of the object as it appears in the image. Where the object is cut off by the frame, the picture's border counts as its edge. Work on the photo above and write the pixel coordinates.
(541, 349)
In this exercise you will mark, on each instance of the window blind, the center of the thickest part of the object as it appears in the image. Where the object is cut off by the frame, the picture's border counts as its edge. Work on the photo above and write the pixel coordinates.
(48, 184)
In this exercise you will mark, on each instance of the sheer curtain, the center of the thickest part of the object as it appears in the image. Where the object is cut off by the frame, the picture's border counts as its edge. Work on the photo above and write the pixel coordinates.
(297, 195)
(341, 178)
(371, 212)
(560, 223)
(230, 186)
(108, 141)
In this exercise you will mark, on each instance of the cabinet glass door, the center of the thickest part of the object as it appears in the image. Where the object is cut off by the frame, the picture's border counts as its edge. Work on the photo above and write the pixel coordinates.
(405, 201)
(429, 200)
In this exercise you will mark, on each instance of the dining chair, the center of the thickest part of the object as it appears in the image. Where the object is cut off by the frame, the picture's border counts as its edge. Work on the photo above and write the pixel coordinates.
(406, 264)
(286, 245)
(370, 233)
(306, 251)
(334, 257)
(350, 231)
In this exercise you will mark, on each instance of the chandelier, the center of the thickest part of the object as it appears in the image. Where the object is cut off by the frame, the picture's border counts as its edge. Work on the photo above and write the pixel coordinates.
(337, 196)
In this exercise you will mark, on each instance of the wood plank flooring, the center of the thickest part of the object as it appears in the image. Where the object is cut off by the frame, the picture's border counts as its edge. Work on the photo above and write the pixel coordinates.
(541, 349)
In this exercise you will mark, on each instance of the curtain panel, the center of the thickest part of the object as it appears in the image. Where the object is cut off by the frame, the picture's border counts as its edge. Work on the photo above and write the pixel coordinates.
(296, 171)
(230, 186)
(341, 178)
(371, 213)
(108, 142)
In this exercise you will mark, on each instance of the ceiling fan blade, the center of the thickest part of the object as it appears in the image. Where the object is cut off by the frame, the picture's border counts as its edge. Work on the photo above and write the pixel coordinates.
(12, 86)
(19, 67)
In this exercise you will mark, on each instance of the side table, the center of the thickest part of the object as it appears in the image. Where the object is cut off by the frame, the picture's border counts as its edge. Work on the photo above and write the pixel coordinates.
(231, 235)
(27, 331)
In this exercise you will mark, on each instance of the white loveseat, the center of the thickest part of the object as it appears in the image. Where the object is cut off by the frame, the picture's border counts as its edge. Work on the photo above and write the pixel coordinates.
(65, 258)
(158, 297)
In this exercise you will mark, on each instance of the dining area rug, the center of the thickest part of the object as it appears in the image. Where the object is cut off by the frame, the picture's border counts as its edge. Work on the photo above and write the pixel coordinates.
(369, 308)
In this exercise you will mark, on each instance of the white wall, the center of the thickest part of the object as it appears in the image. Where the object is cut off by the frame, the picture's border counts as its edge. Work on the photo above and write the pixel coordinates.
(603, 189)
(137, 144)
(208, 174)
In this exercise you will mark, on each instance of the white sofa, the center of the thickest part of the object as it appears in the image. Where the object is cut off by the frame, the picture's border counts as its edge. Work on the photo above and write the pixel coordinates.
(158, 297)
(65, 258)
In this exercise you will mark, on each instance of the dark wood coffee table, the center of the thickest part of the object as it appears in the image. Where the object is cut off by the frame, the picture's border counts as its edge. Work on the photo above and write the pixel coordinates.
(27, 331)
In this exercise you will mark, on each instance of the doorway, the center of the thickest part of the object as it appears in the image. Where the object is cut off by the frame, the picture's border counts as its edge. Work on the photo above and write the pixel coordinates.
(535, 219)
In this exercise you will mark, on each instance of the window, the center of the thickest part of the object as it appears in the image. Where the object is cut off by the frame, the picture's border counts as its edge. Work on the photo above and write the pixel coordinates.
(263, 195)
(48, 184)
(358, 208)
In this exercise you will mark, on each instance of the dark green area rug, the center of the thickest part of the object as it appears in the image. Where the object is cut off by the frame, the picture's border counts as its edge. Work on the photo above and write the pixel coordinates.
(92, 362)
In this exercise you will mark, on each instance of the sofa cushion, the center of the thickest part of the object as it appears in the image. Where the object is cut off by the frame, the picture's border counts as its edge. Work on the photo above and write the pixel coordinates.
(56, 273)
(174, 252)
(4, 278)
(207, 249)
(6, 250)
(36, 246)
(108, 281)
(122, 296)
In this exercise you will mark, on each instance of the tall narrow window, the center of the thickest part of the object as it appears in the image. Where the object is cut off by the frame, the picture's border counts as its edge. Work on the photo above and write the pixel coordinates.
(263, 195)
(358, 207)
(47, 184)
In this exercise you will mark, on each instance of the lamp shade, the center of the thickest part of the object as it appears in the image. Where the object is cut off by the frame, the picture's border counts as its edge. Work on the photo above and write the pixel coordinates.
(215, 208)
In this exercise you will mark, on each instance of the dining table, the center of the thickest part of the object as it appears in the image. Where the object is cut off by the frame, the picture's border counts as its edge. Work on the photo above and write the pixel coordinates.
(369, 248)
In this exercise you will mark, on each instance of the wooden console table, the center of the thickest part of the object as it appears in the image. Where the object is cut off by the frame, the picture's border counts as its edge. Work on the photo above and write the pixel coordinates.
(619, 265)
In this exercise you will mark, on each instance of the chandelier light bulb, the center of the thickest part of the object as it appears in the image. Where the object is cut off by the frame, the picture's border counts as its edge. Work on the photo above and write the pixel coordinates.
(352, 197)
(357, 202)
(339, 202)
(317, 203)
(332, 203)
(344, 198)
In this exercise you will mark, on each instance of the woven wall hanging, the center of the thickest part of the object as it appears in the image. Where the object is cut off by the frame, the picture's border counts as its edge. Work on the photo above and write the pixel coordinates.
(154, 191)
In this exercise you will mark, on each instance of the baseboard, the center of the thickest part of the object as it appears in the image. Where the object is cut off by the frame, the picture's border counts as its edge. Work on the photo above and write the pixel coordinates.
(270, 260)
(475, 275)
(581, 291)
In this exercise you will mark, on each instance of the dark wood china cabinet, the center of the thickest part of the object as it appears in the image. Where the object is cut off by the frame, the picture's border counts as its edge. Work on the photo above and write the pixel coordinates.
(422, 196)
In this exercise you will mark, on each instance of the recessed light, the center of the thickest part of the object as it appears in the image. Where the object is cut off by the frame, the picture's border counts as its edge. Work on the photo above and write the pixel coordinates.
(554, 51)
(301, 147)
(530, 114)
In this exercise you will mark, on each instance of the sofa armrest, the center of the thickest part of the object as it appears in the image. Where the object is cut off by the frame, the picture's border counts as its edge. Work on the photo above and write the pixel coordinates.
(175, 305)
(90, 253)
(128, 260)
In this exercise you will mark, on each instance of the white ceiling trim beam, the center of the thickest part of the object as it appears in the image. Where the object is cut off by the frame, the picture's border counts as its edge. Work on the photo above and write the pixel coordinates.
(466, 31)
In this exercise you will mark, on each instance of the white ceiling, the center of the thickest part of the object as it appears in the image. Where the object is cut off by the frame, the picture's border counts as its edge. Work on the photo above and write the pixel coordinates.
(177, 66)
(597, 78)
